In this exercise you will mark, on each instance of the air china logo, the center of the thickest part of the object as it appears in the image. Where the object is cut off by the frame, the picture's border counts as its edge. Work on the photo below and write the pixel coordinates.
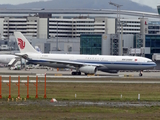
(21, 43)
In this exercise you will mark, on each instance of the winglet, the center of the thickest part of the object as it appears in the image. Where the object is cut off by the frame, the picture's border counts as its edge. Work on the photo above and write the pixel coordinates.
(38, 49)
(23, 44)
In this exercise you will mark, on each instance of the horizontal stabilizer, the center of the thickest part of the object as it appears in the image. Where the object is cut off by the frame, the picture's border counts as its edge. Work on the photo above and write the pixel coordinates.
(25, 56)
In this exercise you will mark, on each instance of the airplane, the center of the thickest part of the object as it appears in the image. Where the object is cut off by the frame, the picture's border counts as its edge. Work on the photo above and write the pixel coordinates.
(6, 58)
(88, 64)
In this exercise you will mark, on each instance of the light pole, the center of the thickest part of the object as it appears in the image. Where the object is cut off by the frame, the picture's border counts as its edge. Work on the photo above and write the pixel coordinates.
(57, 38)
(118, 15)
(118, 20)
(122, 23)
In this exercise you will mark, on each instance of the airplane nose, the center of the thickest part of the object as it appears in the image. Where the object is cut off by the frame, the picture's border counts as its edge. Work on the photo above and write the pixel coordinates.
(154, 64)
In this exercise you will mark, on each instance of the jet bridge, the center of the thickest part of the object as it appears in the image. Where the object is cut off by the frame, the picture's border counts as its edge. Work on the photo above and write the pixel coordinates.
(156, 59)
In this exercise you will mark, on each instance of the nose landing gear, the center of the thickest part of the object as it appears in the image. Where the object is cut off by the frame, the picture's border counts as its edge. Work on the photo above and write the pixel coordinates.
(141, 73)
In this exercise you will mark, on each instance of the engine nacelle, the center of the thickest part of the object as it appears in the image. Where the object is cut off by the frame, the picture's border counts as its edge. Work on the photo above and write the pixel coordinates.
(88, 69)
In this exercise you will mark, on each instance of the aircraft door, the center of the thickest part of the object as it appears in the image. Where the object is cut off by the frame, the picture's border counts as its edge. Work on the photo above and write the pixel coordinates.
(47, 47)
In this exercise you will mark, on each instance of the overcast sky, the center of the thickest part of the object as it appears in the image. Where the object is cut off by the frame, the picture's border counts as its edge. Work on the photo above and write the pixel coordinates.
(151, 3)
(18, 1)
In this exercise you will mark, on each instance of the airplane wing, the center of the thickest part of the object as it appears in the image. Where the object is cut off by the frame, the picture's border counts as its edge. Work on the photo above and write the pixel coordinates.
(72, 63)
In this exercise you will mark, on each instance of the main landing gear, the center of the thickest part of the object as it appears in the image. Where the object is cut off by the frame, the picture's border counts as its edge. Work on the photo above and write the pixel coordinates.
(141, 73)
(76, 73)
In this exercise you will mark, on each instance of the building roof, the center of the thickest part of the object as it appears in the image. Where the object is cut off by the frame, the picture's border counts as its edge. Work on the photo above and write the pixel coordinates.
(78, 11)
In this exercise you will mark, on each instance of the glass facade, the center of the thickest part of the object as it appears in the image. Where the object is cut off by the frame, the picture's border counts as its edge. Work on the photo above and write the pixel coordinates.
(153, 27)
(138, 41)
(158, 8)
(153, 41)
(91, 44)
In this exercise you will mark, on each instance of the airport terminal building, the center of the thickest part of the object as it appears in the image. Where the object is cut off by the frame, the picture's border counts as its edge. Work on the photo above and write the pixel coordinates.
(59, 31)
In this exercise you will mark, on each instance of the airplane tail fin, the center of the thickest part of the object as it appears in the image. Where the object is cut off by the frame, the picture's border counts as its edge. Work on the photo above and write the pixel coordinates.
(23, 44)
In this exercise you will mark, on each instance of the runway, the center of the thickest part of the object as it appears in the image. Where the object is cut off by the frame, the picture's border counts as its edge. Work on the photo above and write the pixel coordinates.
(54, 72)
(95, 82)
(66, 77)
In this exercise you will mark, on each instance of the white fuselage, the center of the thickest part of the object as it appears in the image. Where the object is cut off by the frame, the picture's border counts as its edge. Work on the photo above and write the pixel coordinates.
(102, 61)
(5, 59)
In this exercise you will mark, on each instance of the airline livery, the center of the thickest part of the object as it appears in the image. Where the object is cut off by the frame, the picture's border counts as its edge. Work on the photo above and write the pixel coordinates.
(88, 64)
(21, 44)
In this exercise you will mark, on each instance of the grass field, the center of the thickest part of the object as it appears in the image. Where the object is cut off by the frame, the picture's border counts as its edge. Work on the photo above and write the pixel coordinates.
(84, 92)
(77, 113)
(91, 92)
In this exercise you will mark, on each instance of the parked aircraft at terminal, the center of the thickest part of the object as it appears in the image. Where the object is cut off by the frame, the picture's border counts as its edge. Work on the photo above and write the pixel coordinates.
(88, 64)
(6, 58)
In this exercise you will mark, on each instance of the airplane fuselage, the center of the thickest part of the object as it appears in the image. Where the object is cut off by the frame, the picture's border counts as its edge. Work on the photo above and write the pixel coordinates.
(104, 62)
(5, 58)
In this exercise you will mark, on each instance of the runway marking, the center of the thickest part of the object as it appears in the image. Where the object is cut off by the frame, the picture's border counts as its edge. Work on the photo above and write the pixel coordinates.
(96, 82)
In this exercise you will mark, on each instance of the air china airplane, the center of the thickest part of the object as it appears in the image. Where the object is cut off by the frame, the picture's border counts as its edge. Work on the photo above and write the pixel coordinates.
(6, 58)
(88, 64)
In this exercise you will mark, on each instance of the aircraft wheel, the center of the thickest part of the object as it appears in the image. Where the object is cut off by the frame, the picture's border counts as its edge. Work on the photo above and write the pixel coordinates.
(140, 74)
(76, 73)
(73, 73)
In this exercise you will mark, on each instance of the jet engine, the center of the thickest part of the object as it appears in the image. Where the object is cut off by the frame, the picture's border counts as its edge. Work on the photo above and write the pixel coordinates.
(88, 69)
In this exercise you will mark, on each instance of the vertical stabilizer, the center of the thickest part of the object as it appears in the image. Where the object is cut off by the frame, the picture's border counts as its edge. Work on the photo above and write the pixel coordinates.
(23, 44)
